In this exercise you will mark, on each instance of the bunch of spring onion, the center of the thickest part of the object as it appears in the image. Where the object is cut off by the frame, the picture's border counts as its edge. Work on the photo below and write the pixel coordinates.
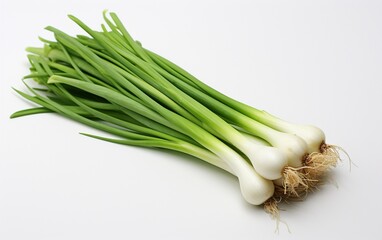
(108, 81)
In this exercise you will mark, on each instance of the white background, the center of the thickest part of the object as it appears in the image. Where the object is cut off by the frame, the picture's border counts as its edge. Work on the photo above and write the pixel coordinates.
(317, 62)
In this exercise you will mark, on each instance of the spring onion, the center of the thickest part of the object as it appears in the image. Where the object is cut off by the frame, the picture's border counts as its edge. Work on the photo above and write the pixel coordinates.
(110, 82)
